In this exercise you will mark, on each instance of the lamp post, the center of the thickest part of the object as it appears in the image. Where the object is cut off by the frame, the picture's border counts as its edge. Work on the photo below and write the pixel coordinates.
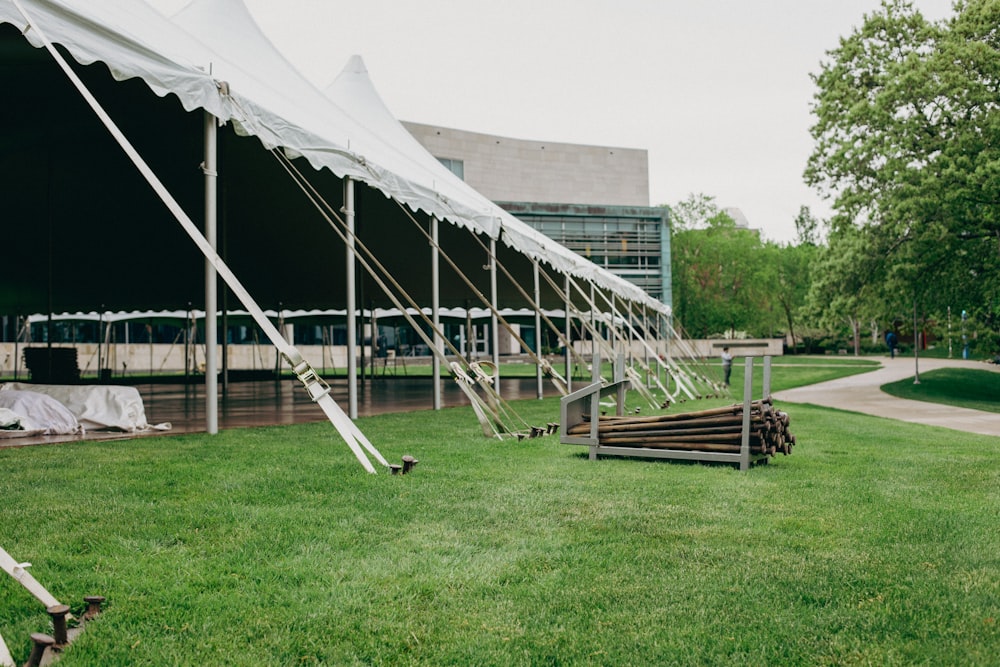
(949, 332)
(916, 346)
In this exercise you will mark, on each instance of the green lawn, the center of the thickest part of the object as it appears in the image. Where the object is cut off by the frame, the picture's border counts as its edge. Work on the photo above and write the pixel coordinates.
(964, 387)
(874, 543)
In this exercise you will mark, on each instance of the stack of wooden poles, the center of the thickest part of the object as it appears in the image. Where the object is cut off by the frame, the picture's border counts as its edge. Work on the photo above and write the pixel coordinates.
(715, 430)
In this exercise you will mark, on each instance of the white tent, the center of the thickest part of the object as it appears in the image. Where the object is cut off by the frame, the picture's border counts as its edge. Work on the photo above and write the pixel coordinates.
(265, 97)
(216, 59)
(420, 180)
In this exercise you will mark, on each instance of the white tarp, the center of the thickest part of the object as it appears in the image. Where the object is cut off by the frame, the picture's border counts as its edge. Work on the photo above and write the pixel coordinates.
(95, 406)
(35, 413)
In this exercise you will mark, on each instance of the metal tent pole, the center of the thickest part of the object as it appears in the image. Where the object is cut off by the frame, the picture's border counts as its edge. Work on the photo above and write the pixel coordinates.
(569, 338)
(209, 168)
(470, 336)
(614, 327)
(100, 339)
(352, 323)
(593, 322)
(645, 337)
(916, 346)
(495, 326)
(436, 311)
(538, 331)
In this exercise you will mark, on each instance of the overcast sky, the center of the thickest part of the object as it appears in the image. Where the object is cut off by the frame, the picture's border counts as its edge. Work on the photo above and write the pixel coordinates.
(718, 91)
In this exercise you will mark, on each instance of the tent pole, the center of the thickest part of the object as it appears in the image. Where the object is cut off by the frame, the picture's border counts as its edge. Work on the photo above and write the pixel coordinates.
(352, 323)
(224, 307)
(373, 321)
(612, 329)
(569, 338)
(211, 277)
(17, 345)
(470, 336)
(593, 322)
(224, 365)
(661, 343)
(538, 331)
(361, 332)
(436, 311)
(187, 352)
(100, 339)
(495, 327)
(646, 337)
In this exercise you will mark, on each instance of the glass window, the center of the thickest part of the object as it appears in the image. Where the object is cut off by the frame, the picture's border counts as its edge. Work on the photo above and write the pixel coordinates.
(456, 167)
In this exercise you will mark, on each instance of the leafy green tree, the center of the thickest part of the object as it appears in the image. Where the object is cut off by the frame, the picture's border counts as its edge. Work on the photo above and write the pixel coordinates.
(726, 279)
(808, 228)
(791, 268)
(698, 211)
(842, 292)
(908, 143)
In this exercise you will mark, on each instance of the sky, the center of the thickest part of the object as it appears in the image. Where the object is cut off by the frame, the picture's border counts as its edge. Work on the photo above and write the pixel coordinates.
(717, 91)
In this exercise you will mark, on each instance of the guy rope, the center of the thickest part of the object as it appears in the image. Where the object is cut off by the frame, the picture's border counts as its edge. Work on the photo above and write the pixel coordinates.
(536, 306)
(558, 380)
(495, 415)
(606, 348)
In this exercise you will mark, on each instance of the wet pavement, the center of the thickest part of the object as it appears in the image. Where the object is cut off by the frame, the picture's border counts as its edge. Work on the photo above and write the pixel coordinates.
(265, 403)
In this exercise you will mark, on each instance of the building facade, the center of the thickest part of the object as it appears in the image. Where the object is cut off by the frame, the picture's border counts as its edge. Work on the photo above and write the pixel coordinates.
(592, 199)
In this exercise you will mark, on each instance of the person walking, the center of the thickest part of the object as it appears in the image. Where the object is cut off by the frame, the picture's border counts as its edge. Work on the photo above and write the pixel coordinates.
(890, 340)
(727, 365)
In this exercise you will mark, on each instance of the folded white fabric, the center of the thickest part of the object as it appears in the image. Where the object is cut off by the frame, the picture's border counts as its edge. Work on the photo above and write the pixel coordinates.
(39, 413)
(95, 406)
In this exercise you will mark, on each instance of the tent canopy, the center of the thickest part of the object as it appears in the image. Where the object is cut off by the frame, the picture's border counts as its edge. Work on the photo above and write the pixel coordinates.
(85, 231)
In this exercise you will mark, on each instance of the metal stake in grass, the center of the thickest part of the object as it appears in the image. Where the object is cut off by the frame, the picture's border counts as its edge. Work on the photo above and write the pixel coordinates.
(39, 642)
(408, 463)
(93, 606)
(58, 613)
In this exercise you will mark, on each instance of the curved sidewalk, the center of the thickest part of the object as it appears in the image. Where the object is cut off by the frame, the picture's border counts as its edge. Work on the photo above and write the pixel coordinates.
(861, 393)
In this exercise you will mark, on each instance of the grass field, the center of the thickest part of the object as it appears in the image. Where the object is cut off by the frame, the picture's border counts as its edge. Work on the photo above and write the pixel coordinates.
(970, 388)
(875, 543)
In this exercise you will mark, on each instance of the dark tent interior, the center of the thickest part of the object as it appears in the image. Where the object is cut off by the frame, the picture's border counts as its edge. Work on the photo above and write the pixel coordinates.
(84, 231)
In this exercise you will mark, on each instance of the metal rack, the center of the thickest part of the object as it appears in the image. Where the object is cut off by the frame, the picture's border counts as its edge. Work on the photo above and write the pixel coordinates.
(584, 404)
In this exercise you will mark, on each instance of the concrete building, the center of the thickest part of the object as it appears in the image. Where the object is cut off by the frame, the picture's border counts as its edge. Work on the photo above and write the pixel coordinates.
(592, 199)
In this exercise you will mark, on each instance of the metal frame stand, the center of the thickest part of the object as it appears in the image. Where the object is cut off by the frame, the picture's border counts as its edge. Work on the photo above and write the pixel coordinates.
(584, 404)
(587, 401)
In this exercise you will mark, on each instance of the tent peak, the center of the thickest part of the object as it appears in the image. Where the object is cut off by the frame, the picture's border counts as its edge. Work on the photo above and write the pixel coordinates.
(355, 65)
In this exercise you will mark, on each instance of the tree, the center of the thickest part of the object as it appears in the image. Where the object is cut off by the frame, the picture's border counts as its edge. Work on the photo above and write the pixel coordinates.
(698, 211)
(719, 272)
(792, 270)
(908, 143)
(842, 291)
(808, 228)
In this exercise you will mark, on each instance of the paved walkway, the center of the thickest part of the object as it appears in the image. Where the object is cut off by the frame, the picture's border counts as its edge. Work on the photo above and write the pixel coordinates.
(861, 393)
